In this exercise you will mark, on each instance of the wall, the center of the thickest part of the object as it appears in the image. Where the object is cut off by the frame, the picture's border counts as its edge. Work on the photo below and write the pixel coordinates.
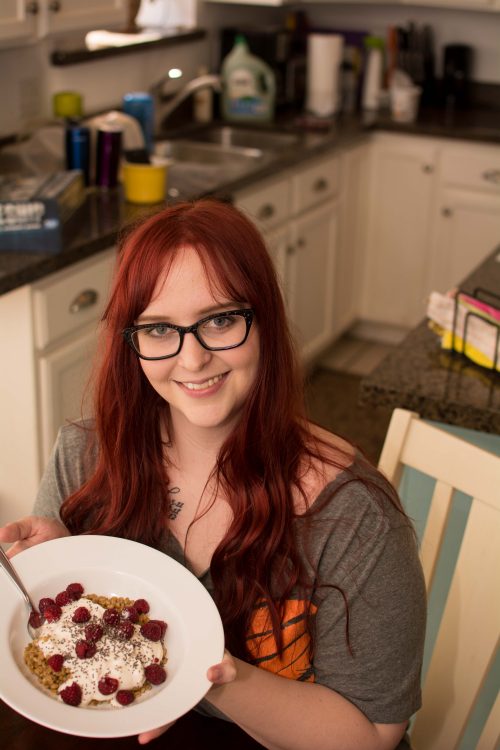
(27, 80)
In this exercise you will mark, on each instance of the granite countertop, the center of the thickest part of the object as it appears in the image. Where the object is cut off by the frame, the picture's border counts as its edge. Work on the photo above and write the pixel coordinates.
(99, 221)
(438, 384)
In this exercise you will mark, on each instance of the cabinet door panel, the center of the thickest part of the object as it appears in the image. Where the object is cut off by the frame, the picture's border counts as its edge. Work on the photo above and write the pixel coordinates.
(83, 14)
(64, 375)
(397, 246)
(310, 278)
(16, 20)
(467, 230)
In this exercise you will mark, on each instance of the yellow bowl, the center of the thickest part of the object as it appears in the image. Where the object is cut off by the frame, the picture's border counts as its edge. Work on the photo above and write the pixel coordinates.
(145, 183)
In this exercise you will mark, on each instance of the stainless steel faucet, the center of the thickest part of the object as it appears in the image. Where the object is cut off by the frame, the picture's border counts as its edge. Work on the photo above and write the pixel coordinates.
(163, 110)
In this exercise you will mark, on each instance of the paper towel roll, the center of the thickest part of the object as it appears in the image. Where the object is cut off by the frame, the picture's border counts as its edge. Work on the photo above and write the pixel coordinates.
(324, 57)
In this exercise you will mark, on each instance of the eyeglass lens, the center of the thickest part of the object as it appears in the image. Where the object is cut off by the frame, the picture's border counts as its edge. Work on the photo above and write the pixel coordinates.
(218, 332)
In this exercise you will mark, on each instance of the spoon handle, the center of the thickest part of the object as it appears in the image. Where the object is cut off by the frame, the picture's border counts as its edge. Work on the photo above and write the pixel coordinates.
(10, 570)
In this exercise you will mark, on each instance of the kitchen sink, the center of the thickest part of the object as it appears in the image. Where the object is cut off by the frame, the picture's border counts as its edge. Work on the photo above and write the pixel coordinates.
(228, 136)
(203, 167)
(184, 150)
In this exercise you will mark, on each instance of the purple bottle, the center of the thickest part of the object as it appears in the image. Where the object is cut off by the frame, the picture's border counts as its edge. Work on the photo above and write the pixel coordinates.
(108, 155)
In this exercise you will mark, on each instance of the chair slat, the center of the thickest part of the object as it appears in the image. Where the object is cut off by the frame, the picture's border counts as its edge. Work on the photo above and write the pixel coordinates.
(390, 457)
(490, 736)
(435, 530)
(467, 638)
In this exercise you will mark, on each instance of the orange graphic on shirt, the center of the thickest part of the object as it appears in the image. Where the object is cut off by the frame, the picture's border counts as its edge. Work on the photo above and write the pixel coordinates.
(295, 663)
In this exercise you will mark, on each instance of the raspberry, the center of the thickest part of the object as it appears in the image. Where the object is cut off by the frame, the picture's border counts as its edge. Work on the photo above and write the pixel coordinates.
(52, 612)
(81, 614)
(111, 616)
(162, 624)
(155, 674)
(141, 606)
(55, 662)
(75, 590)
(130, 613)
(124, 697)
(72, 695)
(93, 632)
(85, 650)
(151, 630)
(125, 630)
(107, 685)
(44, 603)
(35, 620)
(63, 598)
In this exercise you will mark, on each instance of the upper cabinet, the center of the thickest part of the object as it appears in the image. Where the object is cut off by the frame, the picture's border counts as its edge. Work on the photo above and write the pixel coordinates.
(27, 20)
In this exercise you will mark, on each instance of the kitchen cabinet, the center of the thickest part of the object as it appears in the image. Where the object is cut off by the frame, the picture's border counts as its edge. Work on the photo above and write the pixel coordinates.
(49, 346)
(298, 215)
(467, 218)
(27, 20)
(18, 20)
(396, 249)
(353, 208)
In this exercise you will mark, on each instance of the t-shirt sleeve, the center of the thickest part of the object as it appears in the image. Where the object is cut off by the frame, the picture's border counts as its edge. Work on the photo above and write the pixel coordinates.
(66, 470)
(370, 622)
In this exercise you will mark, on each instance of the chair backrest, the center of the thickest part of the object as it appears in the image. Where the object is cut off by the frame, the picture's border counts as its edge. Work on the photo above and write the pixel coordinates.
(468, 635)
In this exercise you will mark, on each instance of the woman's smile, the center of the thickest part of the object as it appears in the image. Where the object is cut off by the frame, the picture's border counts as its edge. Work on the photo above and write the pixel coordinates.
(204, 387)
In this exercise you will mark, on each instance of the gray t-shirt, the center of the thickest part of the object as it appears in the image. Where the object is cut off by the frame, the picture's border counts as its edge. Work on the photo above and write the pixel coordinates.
(361, 553)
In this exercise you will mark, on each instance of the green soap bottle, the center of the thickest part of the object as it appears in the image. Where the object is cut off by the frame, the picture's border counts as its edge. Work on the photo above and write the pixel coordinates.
(248, 86)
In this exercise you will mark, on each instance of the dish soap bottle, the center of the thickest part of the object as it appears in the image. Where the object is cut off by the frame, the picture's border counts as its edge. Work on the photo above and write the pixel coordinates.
(248, 85)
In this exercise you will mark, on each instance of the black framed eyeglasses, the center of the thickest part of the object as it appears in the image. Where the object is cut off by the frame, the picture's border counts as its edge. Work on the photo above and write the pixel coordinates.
(222, 330)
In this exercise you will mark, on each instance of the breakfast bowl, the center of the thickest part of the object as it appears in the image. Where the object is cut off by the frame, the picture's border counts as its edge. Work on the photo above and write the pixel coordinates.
(111, 567)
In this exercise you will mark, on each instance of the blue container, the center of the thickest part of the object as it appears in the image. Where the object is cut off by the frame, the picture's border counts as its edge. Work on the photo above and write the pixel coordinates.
(140, 105)
(78, 149)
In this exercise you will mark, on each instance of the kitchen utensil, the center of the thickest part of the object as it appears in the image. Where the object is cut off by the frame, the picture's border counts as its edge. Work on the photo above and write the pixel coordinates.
(11, 572)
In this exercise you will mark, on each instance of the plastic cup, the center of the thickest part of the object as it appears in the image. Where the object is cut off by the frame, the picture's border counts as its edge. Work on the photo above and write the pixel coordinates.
(145, 183)
(404, 103)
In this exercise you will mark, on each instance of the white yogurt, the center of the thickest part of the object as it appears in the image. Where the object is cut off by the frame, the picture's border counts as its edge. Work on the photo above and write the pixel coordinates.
(124, 660)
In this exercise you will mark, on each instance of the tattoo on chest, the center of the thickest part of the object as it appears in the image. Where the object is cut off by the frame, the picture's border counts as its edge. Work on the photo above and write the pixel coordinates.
(174, 504)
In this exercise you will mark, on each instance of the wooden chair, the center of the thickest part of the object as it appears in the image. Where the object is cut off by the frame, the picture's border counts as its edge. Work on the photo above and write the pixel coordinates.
(468, 634)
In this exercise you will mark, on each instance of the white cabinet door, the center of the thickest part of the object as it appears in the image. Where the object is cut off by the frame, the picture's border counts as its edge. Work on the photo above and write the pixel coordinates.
(65, 390)
(467, 229)
(18, 20)
(352, 224)
(69, 15)
(309, 278)
(398, 233)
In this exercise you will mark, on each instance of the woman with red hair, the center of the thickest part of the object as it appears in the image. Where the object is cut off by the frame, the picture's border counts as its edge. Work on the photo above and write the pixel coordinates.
(200, 446)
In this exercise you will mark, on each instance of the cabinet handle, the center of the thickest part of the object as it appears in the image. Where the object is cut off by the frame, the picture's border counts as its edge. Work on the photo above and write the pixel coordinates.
(428, 169)
(446, 211)
(492, 175)
(84, 300)
(32, 9)
(266, 211)
(55, 6)
(290, 249)
(320, 185)
(301, 242)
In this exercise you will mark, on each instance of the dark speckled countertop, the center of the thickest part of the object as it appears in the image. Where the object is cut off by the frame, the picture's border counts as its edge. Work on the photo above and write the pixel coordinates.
(98, 222)
(437, 384)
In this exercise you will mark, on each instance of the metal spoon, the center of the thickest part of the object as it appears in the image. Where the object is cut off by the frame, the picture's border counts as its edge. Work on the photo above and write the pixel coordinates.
(11, 572)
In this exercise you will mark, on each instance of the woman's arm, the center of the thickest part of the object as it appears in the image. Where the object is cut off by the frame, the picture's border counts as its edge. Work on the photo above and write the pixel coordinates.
(285, 714)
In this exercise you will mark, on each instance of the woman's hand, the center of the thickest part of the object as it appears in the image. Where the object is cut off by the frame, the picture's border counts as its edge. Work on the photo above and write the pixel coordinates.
(219, 674)
(30, 531)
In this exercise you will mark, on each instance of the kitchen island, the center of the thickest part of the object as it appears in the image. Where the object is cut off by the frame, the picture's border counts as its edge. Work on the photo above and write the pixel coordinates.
(440, 385)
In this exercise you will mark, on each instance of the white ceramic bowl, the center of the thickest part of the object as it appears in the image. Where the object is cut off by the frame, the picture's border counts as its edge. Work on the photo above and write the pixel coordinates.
(110, 566)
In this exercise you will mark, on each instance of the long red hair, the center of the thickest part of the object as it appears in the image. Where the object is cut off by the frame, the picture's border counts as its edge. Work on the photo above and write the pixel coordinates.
(258, 467)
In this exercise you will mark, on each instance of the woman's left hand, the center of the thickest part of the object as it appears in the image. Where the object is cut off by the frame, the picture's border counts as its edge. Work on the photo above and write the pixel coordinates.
(219, 674)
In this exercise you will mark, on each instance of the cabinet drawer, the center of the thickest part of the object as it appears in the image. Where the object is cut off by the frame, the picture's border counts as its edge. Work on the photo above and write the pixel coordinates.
(267, 204)
(316, 183)
(71, 298)
(474, 167)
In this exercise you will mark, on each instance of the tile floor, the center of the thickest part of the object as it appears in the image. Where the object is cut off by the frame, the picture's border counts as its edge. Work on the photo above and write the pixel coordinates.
(354, 356)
